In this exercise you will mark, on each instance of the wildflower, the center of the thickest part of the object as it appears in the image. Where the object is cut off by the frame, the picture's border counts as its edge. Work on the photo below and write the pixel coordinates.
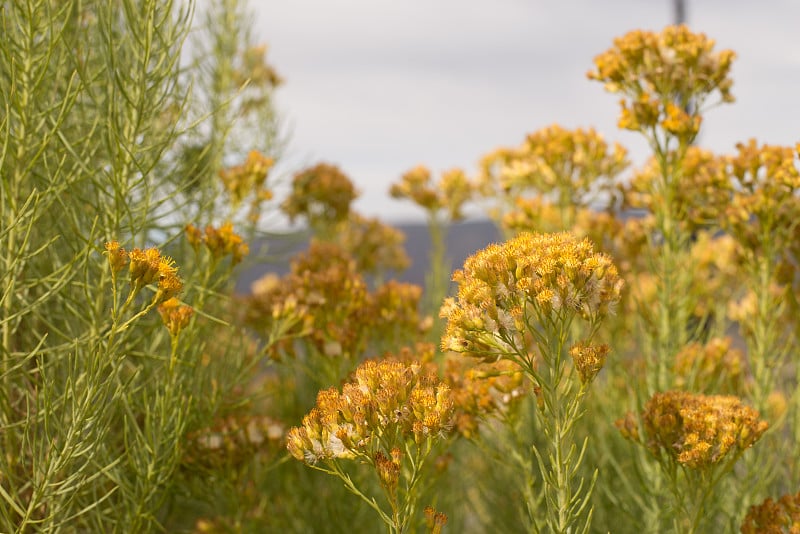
(117, 257)
(175, 315)
(532, 278)
(665, 78)
(331, 296)
(395, 312)
(434, 521)
(255, 69)
(765, 206)
(386, 400)
(389, 469)
(774, 517)
(194, 236)
(713, 366)
(588, 359)
(144, 266)
(169, 285)
(450, 194)
(321, 194)
(249, 178)
(701, 192)
(375, 246)
(224, 241)
(697, 431)
(416, 186)
(481, 390)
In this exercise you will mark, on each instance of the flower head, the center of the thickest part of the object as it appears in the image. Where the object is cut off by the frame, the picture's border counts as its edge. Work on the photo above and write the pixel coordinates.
(240, 181)
(588, 359)
(175, 315)
(774, 517)
(532, 278)
(321, 194)
(697, 431)
(766, 181)
(385, 400)
(450, 194)
(665, 78)
(117, 257)
(375, 246)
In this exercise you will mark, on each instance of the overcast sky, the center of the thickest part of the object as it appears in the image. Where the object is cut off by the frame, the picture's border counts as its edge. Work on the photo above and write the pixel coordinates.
(379, 86)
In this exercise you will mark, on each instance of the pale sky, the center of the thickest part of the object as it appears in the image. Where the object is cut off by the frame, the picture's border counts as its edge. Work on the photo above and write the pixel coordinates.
(379, 86)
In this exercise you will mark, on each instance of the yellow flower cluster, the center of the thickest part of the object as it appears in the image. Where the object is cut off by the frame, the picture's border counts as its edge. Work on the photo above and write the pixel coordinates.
(531, 279)
(220, 242)
(532, 215)
(387, 404)
(665, 77)
(322, 194)
(765, 202)
(450, 194)
(696, 431)
(588, 359)
(434, 521)
(395, 306)
(774, 517)
(340, 315)
(375, 246)
(146, 267)
(242, 180)
(324, 288)
(574, 165)
(482, 390)
(176, 316)
(701, 192)
(712, 367)
(255, 69)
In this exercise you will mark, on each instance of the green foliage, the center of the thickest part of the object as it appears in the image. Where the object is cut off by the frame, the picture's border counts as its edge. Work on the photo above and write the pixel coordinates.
(138, 393)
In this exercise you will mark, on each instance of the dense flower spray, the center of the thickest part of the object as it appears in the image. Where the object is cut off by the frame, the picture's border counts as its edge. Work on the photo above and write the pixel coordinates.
(521, 301)
(390, 415)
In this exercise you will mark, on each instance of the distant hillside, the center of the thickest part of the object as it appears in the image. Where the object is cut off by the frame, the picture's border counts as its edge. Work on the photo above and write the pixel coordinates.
(463, 239)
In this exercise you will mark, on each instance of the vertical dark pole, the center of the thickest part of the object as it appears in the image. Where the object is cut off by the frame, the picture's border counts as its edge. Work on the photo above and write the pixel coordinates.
(680, 12)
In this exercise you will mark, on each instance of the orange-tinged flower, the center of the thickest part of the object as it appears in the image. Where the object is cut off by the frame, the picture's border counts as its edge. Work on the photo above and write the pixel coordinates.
(697, 431)
(117, 257)
(176, 316)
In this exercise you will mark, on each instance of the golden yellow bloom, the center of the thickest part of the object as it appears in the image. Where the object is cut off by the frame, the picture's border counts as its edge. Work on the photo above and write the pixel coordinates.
(666, 79)
(144, 266)
(774, 517)
(117, 257)
(701, 190)
(175, 315)
(388, 468)
(321, 194)
(385, 401)
(249, 178)
(224, 241)
(194, 236)
(588, 359)
(697, 431)
(434, 521)
(765, 203)
(481, 390)
(450, 194)
(567, 168)
(531, 279)
(255, 70)
(169, 285)
(376, 247)
(715, 367)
